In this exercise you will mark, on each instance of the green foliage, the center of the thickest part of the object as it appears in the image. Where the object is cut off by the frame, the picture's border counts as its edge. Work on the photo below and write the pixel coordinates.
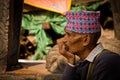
(33, 23)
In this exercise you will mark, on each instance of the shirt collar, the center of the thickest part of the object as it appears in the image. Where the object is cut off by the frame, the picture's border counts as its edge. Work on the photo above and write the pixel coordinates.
(94, 52)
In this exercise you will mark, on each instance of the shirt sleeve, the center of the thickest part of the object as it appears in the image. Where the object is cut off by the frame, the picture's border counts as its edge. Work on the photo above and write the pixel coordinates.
(69, 72)
(71, 65)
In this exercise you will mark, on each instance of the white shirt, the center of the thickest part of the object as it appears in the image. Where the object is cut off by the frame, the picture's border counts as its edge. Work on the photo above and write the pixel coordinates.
(94, 52)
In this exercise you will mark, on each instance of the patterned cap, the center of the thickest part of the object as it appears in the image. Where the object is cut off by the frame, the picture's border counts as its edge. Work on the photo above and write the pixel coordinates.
(83, 21)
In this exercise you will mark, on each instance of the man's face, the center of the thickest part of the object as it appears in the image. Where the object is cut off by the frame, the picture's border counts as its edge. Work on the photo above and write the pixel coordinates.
(74, 42)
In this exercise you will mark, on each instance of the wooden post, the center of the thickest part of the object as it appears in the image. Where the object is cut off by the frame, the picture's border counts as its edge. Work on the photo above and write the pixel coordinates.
(16, 7)
(10, 24)
(4, 24)
(115, 5)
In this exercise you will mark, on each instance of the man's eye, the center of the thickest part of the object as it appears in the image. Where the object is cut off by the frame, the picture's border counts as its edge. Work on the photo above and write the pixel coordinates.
(68, 34)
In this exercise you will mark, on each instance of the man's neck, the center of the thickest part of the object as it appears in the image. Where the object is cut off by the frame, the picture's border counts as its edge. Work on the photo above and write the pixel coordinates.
(86, 52)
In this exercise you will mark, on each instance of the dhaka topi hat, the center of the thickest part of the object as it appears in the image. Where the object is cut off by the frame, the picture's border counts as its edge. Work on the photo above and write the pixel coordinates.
(83, 21)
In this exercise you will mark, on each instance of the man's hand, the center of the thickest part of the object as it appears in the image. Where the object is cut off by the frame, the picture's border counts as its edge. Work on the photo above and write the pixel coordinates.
(64, 50)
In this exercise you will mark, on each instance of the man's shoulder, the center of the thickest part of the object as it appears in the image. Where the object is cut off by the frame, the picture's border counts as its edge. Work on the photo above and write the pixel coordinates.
(109, 57)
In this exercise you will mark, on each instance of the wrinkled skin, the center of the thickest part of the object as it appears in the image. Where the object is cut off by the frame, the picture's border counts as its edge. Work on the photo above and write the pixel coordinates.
(76, 44)
(72, 44)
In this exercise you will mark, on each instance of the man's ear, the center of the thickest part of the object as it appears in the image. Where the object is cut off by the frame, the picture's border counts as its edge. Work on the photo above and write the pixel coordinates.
(86, 40)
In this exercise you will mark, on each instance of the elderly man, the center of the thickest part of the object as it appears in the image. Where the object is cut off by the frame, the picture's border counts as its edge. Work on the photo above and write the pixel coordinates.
(95, 63)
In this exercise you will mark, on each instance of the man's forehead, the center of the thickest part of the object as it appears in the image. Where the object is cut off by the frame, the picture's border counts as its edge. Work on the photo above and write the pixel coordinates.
(68, 31)
(71, 32)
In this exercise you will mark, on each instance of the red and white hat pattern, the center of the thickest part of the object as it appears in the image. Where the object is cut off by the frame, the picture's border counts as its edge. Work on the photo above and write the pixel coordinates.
(83, 21)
